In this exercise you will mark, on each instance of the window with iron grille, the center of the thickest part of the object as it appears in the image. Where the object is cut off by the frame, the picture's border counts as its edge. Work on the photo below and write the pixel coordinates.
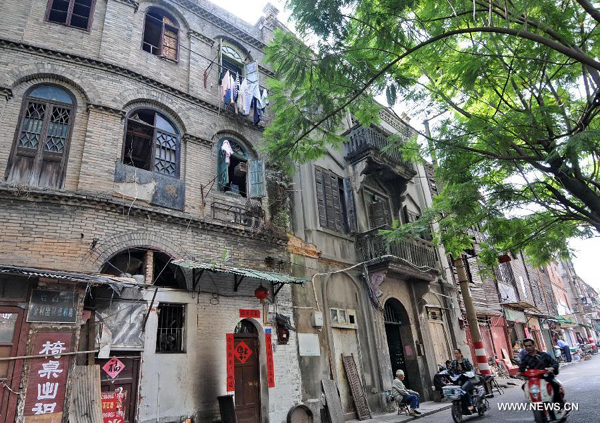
(170, 333)
(152, 143)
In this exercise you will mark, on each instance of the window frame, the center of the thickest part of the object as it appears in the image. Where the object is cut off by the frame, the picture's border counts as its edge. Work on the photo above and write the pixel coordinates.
(182, 347)
(368, 191)
(153, 152)
(38, 156)
(162, 34)
(70, 15)
(346, 226)
(241, 64)
(254, 166)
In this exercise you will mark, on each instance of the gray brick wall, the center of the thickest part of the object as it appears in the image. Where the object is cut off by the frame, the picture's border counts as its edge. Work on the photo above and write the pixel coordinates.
(109, 75)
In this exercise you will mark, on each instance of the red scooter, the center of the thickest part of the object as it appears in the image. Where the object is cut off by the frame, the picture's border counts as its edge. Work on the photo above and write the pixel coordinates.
(541, 395)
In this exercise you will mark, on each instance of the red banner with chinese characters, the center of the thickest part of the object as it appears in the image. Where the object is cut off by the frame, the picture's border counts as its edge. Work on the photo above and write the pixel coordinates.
(270, 369)
(112, 407)
(48, 375)
(253, 314)
(230, 364)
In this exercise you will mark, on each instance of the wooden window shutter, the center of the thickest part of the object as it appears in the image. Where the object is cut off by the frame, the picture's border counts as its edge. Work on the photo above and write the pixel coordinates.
(350, 206)
(336, 222)
(257, 178)
(320, 197)
(39, 156)
(379, 212)
(54, 145)
(329, 207)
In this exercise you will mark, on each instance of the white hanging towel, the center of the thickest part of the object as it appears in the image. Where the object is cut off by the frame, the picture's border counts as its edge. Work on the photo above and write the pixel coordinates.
(242, 96)
(225, 85)
(226, 148)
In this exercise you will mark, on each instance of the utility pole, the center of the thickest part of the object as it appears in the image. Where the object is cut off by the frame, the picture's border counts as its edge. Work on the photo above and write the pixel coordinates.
(463, 280)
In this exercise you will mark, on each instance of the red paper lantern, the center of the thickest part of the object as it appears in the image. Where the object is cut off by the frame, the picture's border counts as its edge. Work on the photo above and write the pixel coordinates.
(504, 258)
(261, 293)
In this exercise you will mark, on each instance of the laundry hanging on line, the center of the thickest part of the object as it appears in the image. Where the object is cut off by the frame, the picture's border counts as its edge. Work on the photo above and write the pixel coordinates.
(244, 96)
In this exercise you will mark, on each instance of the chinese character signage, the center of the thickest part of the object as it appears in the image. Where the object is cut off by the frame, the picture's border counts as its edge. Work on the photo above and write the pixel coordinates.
(270, 369)
(113, 367)
(230, 364)
(245, 314)
(52, 306)
(48, 376)
(242, 352)
(113, 406)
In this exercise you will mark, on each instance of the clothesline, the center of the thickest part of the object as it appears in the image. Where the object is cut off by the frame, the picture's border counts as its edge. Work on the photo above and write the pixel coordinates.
(212, 62)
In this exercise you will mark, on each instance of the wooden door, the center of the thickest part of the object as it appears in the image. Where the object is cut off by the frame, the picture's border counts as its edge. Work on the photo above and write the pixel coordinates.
(440, 343)
(247, 377)
(396, 350)
(127, 380)
(11, 345)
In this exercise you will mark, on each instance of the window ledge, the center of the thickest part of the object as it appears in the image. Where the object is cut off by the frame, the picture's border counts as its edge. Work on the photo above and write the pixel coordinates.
(87, 31)
(154, 188)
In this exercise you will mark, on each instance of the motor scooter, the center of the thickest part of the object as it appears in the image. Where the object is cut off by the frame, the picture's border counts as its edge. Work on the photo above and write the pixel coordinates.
(538, 391)
(457, 391)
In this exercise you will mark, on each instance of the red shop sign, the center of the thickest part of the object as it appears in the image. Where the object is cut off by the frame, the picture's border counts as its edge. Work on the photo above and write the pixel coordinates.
(113, 408)
(253, 314)
(230, 364)
(270, 369)
(48, 375)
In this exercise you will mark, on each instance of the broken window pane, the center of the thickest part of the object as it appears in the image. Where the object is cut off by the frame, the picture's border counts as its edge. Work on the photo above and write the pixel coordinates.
(152, 143)
(161, 35)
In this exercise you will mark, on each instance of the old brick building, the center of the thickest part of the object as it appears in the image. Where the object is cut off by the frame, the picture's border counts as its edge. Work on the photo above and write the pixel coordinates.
(112, 146)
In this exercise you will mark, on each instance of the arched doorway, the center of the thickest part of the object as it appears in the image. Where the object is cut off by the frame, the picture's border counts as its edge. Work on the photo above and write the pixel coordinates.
(396, 325)
(247, 372)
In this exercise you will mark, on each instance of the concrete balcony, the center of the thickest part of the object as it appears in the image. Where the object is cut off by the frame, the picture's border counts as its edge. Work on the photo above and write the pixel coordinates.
(413, 257)
(371, 144)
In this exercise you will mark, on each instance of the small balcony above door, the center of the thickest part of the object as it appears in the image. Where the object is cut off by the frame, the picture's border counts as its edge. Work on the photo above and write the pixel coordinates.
(414, 258)
(370, 144)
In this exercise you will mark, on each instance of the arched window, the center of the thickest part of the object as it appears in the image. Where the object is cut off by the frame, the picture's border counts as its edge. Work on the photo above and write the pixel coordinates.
(41, 146)
(152, 143)
(245, 326)
(237, 172)
(231, 60)
(161, 34)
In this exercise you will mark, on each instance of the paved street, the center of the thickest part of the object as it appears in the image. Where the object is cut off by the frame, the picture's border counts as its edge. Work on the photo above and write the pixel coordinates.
(582, 383)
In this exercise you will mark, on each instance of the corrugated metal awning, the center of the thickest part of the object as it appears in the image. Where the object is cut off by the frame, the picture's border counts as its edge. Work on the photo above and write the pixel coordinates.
(240, 271)
(79, 277)
(523, 305)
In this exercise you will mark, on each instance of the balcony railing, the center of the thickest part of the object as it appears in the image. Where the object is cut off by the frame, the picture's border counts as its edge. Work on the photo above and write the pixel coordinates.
(364, 139)
(238, 214)
(421, 253)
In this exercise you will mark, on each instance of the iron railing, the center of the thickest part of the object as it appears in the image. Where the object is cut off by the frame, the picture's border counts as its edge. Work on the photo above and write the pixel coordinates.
(361, 140)
(238, 214)
(371, 245)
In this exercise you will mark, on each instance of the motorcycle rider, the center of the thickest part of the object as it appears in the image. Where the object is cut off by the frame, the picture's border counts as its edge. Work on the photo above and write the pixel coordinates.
(459, 366)
(535, 359)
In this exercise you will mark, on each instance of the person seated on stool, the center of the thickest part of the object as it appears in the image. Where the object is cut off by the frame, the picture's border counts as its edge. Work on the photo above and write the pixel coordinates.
(403, 395)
